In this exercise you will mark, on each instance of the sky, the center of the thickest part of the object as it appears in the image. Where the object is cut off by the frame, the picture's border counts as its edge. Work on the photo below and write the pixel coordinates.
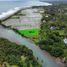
(27, 0)
(31, 0)
(54, 0)
(10, 0)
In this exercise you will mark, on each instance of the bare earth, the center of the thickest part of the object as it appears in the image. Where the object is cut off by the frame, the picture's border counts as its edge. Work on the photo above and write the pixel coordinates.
(56, 60)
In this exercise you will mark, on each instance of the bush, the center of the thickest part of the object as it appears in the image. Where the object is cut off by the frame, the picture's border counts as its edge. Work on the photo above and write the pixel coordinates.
(57, 52)
(48, 48)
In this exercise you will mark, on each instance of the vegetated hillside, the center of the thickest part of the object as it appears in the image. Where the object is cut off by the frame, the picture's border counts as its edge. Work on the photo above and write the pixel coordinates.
(14, 54)
(54, 31)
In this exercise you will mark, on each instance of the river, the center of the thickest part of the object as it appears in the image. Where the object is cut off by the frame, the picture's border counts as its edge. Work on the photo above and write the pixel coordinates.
(37, 52)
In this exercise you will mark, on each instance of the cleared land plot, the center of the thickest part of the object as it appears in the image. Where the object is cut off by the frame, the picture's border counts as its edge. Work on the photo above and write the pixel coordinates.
(30, 32)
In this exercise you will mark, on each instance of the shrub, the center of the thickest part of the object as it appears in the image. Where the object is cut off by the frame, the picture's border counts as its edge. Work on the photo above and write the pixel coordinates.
(57, 52)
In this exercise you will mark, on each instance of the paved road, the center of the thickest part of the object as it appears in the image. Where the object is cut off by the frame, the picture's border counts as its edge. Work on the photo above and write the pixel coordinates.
(37, 52)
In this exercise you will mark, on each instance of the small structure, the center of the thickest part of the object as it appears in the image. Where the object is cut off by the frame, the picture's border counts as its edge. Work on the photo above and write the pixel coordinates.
(65, 13)
(65, 40)
(52, 27)
(46, 16)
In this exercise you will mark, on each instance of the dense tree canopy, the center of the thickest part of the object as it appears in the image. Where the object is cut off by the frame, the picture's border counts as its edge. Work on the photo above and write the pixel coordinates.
(53, 31)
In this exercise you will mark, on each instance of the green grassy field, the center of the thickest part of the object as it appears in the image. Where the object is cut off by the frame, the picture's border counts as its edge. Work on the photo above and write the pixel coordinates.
(30, 32)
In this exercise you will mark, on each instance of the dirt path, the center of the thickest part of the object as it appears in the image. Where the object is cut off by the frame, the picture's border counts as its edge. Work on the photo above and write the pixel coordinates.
(56, 60)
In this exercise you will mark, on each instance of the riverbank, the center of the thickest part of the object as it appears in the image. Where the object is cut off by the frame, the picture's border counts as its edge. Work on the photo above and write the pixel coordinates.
(57, 60)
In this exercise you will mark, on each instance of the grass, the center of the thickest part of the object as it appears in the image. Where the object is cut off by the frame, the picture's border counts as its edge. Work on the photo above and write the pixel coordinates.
(14, 66)
(61, 32)
(65, 53)
(30, 32)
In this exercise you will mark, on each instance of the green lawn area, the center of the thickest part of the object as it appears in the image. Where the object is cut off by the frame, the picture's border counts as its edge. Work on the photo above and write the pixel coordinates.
(61, 32)
(30, 32)
(65, 52)
(14, 66)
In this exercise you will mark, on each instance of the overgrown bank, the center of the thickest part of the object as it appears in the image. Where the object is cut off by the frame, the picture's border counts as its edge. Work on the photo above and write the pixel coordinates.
(15, 54)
